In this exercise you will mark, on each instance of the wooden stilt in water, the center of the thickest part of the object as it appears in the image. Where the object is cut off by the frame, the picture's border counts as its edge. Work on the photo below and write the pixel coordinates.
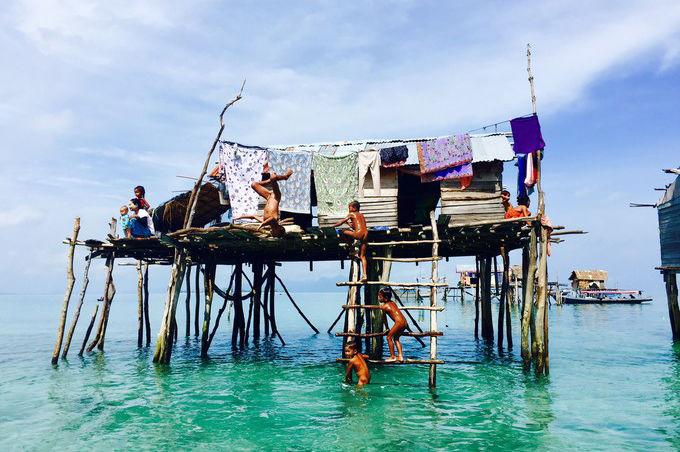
(485, 287)
(350, 314)
(432, 378)
(529, 269)
(265, 302)
(109, 292)
(477, 297)
(506, 284)
(222, 309)
(163, 351)
(147, 322)
(271, 278)
(541, 308)
(257, 298)
(89, 330)
(670, 279)
(378, 343)
(140, 305)
(208, 290)
(187, 300)
(71, 280)
(197, 306)
(501, 301)
(81, 298)
(238, 330)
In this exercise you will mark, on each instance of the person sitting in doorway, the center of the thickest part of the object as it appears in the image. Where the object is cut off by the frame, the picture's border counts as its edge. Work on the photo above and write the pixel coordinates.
(357, 231)
(357, 362)
(270, 216)
(390, 308)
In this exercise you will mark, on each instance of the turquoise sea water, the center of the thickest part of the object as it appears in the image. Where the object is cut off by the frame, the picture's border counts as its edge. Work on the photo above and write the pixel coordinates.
(614, 384)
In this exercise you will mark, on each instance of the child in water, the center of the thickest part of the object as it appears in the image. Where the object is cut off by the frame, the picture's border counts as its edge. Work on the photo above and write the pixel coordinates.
(357, 361)
(390, 308)
(358, 231)
(125, 221)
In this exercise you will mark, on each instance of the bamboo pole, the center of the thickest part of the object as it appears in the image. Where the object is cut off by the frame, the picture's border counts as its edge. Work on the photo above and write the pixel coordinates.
(71, 280)
(350, 314)
(140, 305)
(197, 306)
(432, 379)
(501, 300)
(187, 300)
(529, 268)
(147, 322)
(89, 330)
(81, 298)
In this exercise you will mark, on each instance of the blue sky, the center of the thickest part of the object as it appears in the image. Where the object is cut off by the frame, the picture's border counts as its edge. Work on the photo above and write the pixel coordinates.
(97, 97)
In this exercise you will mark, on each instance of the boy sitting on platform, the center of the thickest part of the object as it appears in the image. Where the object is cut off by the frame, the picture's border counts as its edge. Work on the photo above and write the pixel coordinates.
(390, 308)
(357, 361)
(270, 216)
(358, 231)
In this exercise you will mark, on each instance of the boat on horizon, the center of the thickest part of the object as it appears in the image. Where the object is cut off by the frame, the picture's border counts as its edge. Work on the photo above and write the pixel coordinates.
(604, 296)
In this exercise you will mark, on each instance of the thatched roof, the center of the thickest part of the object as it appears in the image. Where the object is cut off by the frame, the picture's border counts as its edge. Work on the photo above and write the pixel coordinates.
(169, 216)
(589, 275)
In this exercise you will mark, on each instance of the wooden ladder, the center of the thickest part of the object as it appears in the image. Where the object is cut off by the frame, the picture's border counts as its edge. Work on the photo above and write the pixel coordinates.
(352, 328)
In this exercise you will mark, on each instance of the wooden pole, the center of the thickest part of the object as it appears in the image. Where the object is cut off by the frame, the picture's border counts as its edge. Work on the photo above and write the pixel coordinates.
(271, 283)
(223, 308)
(487, 318)
(265, 302)
(108, 288)
(350, 314)
(477, 269)
(529, 271)
(209, 272)
(147, 322)
(140, 305)
(238, 329)
(378, 343)
(290, 297)
(81, 298)
(501, 300)
(257, 298)
(187, 301)
(432, 379)
(163, 351)
(506, 283)
(89, 330)
(71, 280)
(670, 279)
(197, 306)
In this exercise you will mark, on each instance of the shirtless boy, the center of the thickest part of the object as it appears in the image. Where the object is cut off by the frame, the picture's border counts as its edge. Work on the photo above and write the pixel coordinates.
(357, 361)
(390, 308)
(270, 215)
(358, 231)
(505, 200)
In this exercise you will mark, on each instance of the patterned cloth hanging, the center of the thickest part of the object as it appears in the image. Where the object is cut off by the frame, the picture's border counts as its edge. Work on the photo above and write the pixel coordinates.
(296, 191)
(243, 166)
(337, 182)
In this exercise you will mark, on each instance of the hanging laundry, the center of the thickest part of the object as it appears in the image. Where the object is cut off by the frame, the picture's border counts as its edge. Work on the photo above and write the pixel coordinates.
(455, 172)
(442, 153)
(527, 134)
(369, 161)
(243, 166)
(296, 191)
(531, 172)
(336, 183)
(393, 156)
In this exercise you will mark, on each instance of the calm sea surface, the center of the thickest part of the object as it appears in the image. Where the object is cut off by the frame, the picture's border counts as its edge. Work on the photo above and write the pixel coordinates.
(614, 384)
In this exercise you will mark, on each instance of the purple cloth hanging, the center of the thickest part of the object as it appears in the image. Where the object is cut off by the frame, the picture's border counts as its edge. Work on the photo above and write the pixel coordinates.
(527, 134)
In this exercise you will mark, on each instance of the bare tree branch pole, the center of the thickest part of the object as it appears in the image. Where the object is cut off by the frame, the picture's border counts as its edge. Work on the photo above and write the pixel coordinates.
(193, 199)
(69, 289)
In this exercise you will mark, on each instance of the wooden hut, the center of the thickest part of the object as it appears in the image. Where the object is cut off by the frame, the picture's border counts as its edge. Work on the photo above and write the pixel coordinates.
(588, 279)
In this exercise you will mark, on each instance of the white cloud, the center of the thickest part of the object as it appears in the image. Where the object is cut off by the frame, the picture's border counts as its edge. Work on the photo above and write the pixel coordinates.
(19, 215)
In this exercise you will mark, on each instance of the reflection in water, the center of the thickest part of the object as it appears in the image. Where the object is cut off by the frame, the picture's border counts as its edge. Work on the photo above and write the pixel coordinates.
(672, 386)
